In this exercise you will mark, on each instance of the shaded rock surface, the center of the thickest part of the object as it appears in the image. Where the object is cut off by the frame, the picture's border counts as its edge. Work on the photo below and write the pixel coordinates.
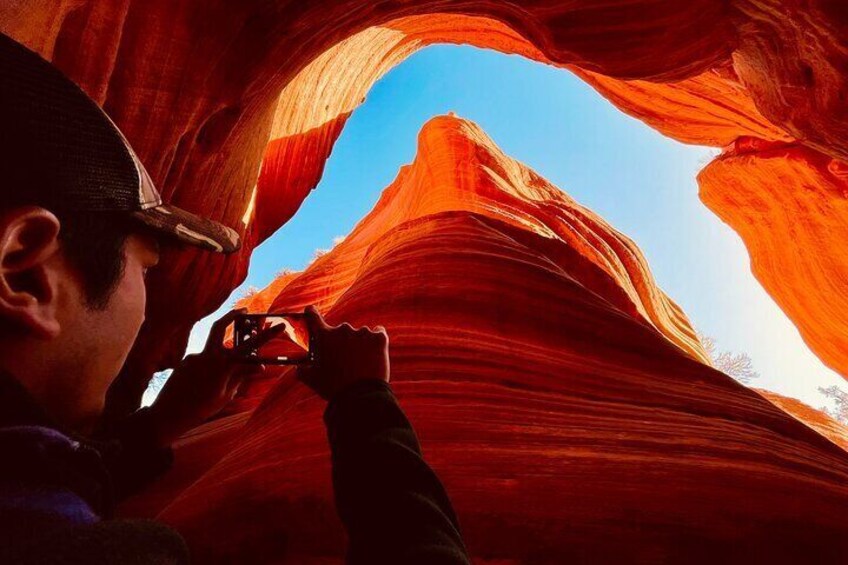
(235, 107)
(561, 396)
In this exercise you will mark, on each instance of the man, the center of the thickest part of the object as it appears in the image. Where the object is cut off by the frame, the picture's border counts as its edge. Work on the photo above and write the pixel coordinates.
(80, 226)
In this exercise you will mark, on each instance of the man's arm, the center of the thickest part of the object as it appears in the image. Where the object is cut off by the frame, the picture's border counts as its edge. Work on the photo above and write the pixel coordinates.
(393, 505)
(197, 390)
(139, 458)
(391, 502)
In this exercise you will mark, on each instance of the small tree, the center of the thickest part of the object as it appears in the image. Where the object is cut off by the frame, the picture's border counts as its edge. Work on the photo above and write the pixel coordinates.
(249, 292)
(736, 365)
(840, 399)
(709, 344)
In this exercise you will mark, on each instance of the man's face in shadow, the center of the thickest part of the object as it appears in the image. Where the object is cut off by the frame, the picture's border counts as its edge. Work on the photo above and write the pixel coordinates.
(63, 349)
(101, 338)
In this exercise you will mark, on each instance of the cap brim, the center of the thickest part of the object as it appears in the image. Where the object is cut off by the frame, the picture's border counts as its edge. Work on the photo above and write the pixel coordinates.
(189, 228)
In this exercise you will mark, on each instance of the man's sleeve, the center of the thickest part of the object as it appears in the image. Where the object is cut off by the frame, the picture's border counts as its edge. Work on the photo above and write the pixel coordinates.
(138, 460)
(391, 502)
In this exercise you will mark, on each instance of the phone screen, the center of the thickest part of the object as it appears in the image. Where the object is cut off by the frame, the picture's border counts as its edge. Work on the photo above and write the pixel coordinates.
(273, 339)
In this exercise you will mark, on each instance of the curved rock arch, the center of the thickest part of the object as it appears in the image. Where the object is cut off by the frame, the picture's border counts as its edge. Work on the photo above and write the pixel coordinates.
(712, 108)
(195, 89)
(206, 111)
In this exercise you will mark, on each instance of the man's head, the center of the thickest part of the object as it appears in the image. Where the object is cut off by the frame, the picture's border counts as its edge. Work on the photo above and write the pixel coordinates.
(80, 222)
(72, 301)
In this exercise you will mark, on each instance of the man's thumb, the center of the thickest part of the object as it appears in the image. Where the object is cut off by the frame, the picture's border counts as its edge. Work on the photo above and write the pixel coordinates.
(314, 319)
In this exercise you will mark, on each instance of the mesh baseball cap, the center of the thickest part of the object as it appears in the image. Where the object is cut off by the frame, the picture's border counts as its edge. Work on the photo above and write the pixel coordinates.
(60, 149)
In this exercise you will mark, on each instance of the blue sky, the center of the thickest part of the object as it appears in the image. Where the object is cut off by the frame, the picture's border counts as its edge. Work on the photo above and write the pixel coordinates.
(641, 182)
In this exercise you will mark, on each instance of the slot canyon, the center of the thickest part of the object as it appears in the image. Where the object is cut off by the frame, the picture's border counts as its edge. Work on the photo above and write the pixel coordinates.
(564, 399)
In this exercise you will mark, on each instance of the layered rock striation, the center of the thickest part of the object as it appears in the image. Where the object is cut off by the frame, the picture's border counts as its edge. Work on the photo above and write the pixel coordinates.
(820, 421)
(235, 107)
(562, 396)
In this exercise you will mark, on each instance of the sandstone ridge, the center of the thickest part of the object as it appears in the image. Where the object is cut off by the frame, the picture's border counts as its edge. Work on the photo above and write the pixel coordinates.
(558, 392)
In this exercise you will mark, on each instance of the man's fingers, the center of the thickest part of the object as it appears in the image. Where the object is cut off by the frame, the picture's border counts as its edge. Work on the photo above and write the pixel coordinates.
(215, 341)
(376, 331)
(314, 320)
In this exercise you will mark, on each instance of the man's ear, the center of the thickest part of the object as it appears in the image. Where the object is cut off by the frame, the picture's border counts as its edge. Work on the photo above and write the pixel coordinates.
(29, 242)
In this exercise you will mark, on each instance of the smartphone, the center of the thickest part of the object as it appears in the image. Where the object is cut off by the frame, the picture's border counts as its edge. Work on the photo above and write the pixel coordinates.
(273, 338)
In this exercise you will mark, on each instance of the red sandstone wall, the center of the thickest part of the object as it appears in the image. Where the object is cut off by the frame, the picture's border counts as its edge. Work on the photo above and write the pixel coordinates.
(600, 434)
(555, 388)
(789, 203)
(204, 92)
(816, 419)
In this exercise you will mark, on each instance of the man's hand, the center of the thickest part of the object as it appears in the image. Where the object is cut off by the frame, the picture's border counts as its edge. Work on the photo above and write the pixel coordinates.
(200, 386)
(343, 355)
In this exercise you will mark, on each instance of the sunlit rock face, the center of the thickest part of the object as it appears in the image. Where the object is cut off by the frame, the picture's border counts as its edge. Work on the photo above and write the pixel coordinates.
(234, 108)
(816, 419)
(557, 391)
(776, 193)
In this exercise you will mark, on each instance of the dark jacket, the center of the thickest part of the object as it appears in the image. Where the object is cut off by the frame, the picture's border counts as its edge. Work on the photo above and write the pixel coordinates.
(58, 492)
(393, 506)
